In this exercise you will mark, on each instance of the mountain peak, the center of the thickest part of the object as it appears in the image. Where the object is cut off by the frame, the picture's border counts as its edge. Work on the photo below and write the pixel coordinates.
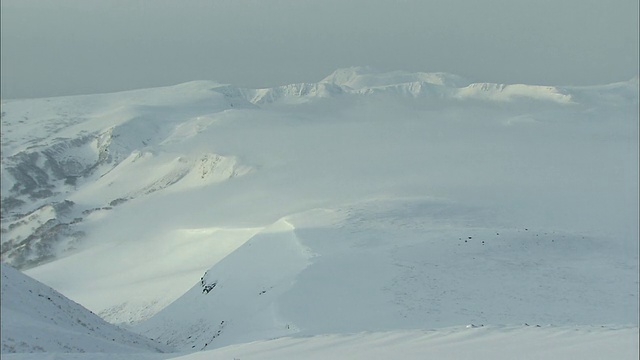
(359, 77)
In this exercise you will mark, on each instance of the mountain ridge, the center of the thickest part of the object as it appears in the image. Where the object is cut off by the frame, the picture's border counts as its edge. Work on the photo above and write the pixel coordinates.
(408, 196)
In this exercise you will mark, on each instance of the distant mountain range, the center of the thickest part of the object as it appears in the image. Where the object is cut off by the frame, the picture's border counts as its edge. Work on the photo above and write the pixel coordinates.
(204, 215)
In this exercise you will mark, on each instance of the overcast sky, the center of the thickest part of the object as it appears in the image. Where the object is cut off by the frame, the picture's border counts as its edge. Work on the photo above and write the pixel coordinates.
(62, 47)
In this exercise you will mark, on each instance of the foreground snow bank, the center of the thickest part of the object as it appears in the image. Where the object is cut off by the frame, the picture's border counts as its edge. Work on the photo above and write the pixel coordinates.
(527, 342)
(483, 342)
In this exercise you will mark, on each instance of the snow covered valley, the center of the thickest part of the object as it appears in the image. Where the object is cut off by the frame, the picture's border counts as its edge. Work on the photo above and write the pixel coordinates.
(369, 215)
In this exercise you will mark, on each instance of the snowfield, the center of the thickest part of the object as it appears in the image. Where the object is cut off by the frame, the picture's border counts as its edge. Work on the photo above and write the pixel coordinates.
(368, 215)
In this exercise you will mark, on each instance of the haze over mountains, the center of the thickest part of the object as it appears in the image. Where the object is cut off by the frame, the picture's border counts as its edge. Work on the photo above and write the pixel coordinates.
(204, 215)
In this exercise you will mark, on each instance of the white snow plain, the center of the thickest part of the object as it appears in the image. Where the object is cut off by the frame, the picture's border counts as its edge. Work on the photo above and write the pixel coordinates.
(339, 216)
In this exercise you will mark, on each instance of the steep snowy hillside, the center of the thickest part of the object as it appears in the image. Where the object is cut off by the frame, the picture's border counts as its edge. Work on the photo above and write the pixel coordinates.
(204, 214)
(36, 318)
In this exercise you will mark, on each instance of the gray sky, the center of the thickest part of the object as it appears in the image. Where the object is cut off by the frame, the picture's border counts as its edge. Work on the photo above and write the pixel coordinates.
(63, 47)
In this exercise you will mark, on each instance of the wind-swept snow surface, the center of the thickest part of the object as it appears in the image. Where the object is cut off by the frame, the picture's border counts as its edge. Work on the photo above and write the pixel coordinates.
(204, 215)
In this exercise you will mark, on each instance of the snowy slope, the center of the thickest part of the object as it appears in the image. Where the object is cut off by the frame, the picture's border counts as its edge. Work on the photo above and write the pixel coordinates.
(298, 200)
(401, 264)
(36, 318)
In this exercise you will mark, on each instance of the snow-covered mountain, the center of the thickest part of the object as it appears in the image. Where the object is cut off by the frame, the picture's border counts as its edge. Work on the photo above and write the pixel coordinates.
(36, 318)
(204, 215)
